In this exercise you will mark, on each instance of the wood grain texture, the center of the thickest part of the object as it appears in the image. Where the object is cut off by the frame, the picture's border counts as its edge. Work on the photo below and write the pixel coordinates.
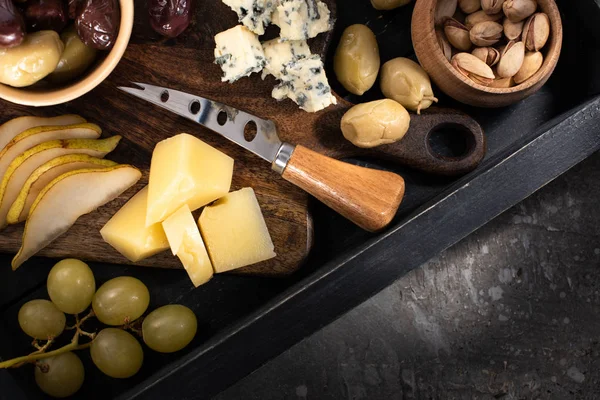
(186, 64)
(367, 197)
(461, 88)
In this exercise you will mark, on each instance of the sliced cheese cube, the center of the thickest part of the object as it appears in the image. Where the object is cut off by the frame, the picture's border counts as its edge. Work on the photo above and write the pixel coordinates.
(126, 231)
(239, 53)
(235, 231)
(301, 19)
(186, 243)
(280, 55)
(185, 170)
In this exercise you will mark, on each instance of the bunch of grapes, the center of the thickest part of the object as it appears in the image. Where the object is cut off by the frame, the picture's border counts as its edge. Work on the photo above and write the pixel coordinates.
(119, 303)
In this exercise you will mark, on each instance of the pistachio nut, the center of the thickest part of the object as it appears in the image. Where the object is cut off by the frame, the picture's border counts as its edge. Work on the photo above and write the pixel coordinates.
(531, 64)
(481, 16)
(473, 68)
(511, 59)
(518, 10)
(444, 44)
(445, 9)
(469, 6)
(486, 33)
(375, 123)
(502, 83)
(457, 34)
(513, 30)
(488, 55)
(404, 81)
(536, 32)
(492, 6)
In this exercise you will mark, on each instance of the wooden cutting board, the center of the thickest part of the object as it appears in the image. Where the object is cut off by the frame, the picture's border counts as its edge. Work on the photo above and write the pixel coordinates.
(186, 64)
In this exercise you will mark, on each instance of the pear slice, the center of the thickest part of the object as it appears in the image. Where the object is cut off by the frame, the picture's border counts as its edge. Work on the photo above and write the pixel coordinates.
(12, 128)
(23, 166)
(44, 174)
(66, 198)
(40, 134)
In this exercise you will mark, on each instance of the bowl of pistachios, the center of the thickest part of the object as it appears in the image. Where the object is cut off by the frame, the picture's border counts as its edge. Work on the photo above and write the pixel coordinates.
(488, 53)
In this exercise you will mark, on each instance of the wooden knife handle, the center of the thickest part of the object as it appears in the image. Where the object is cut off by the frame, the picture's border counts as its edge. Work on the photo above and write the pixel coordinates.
(367, 197)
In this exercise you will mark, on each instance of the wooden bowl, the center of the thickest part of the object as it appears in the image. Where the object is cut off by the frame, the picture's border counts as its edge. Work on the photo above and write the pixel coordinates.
(48, 96)
(461, 88)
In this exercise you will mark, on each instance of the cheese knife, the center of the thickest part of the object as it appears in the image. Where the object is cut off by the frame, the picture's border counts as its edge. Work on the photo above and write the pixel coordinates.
(367, 197)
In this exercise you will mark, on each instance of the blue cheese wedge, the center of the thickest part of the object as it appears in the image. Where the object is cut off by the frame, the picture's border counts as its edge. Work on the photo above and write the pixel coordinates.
(254, 14)
(280, 55)
(305, 83)
(302, 19)
(239, 53)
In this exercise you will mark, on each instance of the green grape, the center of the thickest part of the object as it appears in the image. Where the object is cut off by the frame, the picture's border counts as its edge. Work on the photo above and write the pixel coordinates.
(71, 286)
(63, 376)
(40, 319)
(117, 353)
(169, 328)
(121, 300)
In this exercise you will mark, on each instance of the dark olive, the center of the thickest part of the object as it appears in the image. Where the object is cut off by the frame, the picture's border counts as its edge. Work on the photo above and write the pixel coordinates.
(170, 17)
(73, 8)
(43, 15)
(12, 26)
(98, 23)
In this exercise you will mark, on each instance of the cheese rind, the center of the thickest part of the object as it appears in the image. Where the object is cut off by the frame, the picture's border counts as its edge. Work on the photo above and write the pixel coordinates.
(280, 55)
(239, 53)
(302, 19)
(185, 170)
(126, 231)
(186, 243)
(235, 231)
(306, 85)
(254, 14)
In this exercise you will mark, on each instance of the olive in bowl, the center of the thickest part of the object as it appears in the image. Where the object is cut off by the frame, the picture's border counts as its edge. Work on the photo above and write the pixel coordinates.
(90, 52)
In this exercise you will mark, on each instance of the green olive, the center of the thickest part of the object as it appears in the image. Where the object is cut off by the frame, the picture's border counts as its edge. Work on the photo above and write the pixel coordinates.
(356, 62)
(404, 81)
(388, 4)
(375, 123)
(35, 58)
(76, 58)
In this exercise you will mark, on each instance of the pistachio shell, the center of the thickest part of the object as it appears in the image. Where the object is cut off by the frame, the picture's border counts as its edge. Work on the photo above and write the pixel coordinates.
(531, 64)
(469, 6)
(518, 10)
(486, 33)
(513, 30)
(444, 44)
(481, 16)
(492, 6)
(536, 31)
(457, 34)
(488, 55)
(473, 68)
(511, 59)
(502, 83)
(445, 9)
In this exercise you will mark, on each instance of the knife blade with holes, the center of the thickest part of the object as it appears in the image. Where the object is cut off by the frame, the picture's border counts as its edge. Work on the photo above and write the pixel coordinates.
(367, 197)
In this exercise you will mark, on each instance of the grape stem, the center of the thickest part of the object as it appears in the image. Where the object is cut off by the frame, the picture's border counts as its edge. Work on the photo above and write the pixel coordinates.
(40, 349)
(74, 345)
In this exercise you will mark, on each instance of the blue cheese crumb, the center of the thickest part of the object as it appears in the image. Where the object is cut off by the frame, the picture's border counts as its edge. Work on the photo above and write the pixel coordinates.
(302, 19)
(239, 53)
(254, 14)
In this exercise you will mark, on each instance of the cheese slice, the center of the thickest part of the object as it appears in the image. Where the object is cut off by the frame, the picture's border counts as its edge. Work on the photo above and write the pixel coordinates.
(186, 243)
(239, 53)
(126, 231)
(302, 19)
(235, 231)
(185, 170)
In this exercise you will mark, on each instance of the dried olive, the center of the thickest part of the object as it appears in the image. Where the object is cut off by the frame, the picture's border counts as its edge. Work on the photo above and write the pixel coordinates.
(73, 8)
(12, 26)
(98, 23)
(41, 15)
(170, 17)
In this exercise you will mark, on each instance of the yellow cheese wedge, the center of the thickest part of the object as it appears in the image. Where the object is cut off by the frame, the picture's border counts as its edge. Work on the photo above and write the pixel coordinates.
(186, 243)
(126, 231)
(185, 170)
(235, 231)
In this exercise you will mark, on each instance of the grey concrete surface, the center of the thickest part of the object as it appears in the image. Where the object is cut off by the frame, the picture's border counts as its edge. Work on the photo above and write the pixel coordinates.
(511, 312)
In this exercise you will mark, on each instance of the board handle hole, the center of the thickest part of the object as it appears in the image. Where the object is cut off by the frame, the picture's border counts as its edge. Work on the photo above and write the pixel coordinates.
(453, 141)
(164, 96)
(222, 118)
(195, 107)
(250, 131)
